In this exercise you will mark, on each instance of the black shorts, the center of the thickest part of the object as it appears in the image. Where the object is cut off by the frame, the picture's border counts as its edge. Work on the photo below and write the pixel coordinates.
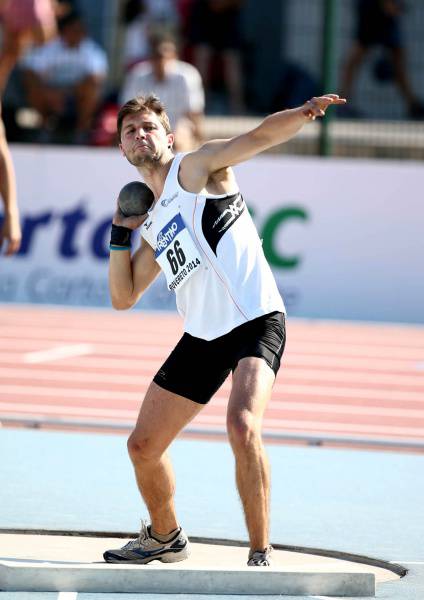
(197, 368)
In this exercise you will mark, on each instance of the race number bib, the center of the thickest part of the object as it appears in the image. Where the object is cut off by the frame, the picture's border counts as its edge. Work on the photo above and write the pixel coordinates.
(176, 253)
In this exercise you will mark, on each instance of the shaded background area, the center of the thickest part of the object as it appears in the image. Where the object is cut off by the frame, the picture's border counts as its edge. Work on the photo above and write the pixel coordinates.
(290, 50)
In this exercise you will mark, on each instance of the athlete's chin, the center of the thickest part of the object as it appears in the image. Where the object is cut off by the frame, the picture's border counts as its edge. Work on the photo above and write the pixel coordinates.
(142, 160)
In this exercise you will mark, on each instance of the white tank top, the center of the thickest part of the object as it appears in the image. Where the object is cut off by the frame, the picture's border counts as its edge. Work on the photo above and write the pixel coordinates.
(222, 278)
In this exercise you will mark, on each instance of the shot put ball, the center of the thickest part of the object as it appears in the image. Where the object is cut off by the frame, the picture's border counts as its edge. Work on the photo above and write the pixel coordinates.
(135, 199)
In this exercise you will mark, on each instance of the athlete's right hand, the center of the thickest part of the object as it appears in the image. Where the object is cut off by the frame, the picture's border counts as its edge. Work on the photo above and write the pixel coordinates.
(131, 222)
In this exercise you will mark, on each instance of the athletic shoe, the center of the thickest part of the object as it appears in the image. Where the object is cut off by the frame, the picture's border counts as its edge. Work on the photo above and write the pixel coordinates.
(146, 548)
(260, 558)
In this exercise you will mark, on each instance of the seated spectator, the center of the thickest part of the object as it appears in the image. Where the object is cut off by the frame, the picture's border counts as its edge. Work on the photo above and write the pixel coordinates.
(64, 78)
(179, 86)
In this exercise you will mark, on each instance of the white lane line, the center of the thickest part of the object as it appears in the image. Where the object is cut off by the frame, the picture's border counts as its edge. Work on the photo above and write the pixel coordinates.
(270, 425)
(137, 334)
(286, 392)
(335, 361)
(357, 378)
(371, 343)
(351, 392)
(97, 362)
(321, 426)
(352, 410)
(67, 392)
(359, 350)
(75, 332)
(126, 358)
(345, 409)
(67, 596)
(135, 396)
(138, 381)
(65, 376)
(111, 349)
(58, 352)
(110, 346)
(60, 410)
(287, 376)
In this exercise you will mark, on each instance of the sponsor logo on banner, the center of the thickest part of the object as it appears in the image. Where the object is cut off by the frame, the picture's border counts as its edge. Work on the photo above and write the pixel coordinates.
(64, 255)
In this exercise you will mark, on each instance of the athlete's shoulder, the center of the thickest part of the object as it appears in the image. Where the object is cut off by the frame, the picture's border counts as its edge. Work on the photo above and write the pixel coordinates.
(193, 173)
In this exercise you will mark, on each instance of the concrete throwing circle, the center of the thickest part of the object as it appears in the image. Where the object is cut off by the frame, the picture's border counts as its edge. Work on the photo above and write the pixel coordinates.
(72, 561)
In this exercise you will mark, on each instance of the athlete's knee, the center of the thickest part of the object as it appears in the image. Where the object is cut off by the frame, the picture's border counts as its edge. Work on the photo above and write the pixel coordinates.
(142, 448)
(243, 429)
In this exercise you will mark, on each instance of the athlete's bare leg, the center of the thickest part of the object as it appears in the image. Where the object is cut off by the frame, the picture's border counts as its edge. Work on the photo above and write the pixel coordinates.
(162, 416)
(252, 385)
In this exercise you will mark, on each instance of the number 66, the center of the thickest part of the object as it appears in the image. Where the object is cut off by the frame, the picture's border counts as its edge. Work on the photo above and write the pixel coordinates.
(179, 256)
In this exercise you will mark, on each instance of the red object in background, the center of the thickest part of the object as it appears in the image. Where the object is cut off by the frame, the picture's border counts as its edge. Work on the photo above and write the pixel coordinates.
(104, 132)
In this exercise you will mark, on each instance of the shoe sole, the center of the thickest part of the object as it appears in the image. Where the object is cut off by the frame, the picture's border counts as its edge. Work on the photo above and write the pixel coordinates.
(170, 557)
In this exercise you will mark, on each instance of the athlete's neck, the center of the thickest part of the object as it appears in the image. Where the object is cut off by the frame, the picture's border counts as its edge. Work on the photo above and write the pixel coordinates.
(154, 175)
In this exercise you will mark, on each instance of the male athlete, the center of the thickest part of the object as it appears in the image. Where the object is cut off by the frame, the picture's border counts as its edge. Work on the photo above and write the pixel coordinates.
(200, 234)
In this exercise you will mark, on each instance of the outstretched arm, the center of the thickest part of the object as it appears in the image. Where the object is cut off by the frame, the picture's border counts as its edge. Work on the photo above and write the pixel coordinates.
(274, 129)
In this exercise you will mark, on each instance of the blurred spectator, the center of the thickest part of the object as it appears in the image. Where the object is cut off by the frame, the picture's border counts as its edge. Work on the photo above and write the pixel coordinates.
(378, 24)
(136, 36)
(64, 78)
(215, 30)
(25, 22)
(179, 86)
(162, 13)
(10, 228)
(142, 18)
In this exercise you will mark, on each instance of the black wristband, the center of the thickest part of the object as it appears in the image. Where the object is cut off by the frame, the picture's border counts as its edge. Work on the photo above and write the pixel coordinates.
(120, 236)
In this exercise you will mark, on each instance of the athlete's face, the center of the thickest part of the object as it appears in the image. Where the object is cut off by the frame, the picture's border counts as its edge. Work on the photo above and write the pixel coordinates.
(144, 140)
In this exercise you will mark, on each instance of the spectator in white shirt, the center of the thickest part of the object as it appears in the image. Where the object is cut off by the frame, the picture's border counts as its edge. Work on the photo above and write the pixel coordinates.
(68, 71)
(179, 86)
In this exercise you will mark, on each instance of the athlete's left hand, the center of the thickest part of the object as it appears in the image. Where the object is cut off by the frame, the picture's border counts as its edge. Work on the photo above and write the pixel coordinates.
(133, 222)
(316, 106)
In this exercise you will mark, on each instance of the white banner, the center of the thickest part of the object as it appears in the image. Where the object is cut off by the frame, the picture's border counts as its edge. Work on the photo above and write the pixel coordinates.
(344, 237)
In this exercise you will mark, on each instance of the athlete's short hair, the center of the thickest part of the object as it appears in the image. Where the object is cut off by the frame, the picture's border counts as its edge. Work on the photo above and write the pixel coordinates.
(141, 104)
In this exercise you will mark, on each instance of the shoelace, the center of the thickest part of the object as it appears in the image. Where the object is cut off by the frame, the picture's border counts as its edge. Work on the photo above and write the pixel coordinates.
(144, 537)
(261, 559)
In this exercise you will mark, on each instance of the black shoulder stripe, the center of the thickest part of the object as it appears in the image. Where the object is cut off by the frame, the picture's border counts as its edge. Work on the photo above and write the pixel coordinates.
(219, 215)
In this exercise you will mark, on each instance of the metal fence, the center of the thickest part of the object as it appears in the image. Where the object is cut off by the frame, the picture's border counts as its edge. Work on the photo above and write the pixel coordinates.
(374, 57)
